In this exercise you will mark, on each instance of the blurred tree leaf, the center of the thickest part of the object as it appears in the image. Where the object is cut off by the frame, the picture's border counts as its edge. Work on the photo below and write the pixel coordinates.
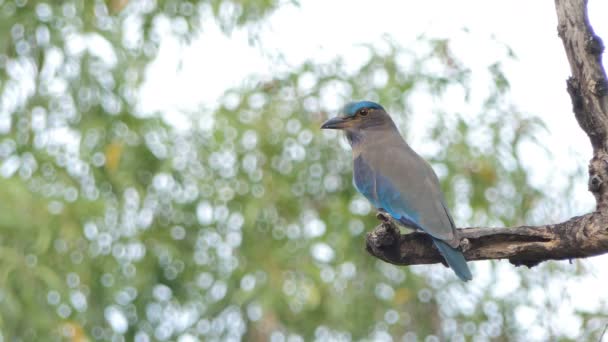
(114, 225)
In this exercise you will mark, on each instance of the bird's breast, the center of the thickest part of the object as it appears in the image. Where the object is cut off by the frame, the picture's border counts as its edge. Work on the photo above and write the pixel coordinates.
(364, 179)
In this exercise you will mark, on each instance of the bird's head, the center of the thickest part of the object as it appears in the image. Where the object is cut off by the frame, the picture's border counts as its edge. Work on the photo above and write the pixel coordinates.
(358, 116)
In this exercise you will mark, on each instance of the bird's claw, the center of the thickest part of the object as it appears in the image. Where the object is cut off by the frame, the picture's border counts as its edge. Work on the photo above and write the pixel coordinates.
(383, 216)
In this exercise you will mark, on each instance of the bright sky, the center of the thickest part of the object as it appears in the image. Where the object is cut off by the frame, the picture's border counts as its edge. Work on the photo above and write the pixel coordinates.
(321, 30)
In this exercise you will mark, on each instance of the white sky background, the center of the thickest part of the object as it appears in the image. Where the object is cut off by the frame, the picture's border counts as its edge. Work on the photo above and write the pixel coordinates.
(186, 78)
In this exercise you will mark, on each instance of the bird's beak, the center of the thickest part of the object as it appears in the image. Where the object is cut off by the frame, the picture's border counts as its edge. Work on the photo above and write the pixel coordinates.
(338, 122)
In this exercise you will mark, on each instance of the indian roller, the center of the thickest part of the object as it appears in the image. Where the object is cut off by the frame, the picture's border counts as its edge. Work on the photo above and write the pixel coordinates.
(396, 180)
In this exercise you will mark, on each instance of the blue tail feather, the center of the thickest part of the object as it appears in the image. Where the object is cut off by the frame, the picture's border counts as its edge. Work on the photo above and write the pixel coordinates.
(455, 260)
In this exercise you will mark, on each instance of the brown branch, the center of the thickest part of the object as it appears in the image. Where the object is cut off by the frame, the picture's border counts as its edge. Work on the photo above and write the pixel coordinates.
(578, 237)
(588, 88)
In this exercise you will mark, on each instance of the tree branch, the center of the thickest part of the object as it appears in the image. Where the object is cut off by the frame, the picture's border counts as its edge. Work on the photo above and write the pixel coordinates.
(588, 88)
(578, 237)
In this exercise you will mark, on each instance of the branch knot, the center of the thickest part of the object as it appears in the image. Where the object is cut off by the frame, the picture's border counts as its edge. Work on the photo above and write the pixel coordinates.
(574, 90)
(594, 45)
(599, 87)
(594, 183)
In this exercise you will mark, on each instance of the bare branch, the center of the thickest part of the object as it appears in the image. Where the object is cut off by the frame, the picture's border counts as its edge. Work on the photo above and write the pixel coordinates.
(588, 88)
(579, 237)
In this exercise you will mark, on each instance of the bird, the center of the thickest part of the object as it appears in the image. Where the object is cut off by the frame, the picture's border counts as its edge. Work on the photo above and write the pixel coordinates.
(396, 180)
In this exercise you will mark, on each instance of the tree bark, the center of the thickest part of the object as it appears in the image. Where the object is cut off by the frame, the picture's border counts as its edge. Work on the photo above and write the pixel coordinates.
(578, 237)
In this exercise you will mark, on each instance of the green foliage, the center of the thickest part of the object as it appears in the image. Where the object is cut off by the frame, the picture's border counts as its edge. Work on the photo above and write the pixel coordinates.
(246, 225)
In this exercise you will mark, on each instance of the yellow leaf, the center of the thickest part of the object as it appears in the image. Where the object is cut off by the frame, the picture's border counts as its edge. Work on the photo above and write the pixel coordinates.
(487, 172)
(113, 153)
(117, 5)
(402, 296)
(73, 332)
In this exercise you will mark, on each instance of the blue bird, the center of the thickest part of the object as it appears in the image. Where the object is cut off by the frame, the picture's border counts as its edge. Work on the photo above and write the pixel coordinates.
(396, 179)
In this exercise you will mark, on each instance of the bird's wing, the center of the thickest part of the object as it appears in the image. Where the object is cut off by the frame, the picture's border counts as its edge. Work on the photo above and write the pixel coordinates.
(406, 186)
(379, 191)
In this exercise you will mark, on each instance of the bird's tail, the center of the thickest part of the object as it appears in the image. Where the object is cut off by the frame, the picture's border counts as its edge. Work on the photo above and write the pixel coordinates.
(455, 260)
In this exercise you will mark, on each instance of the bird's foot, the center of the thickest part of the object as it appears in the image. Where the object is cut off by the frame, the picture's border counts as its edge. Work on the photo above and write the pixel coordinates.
(383, 216)
(388, 220)
(383, 236)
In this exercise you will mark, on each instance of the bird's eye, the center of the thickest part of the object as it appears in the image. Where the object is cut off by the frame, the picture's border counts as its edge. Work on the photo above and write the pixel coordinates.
(363, 112)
